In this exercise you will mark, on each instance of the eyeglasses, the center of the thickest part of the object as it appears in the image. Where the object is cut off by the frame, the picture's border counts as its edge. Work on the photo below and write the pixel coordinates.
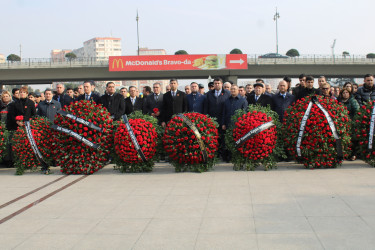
(325, 88)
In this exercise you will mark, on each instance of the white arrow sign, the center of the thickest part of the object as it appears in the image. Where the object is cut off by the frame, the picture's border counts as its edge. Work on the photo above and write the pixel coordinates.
(237, 61)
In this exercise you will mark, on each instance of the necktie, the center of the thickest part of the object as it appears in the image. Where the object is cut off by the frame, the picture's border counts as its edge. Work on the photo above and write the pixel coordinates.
(194, 96)
(217, 93)
(256, 98)
(87, 97)
(132, 101)
(284, 96)
(156, 97)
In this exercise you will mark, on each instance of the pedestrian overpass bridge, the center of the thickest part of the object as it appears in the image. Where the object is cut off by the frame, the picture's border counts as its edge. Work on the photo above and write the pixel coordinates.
(39, 71)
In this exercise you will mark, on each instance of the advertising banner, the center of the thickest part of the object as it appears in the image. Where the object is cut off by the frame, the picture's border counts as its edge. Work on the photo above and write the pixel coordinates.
(177, 62)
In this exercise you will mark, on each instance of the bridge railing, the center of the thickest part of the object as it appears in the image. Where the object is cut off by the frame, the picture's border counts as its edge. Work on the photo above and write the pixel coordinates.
(252, 60)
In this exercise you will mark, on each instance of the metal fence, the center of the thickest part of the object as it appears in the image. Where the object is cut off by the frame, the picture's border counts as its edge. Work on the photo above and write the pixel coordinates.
(251, 60)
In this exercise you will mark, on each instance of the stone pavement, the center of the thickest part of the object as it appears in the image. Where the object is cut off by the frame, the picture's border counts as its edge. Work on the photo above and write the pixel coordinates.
(287, 208)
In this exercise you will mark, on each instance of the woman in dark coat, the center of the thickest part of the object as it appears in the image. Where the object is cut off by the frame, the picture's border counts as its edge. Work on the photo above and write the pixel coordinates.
(6, 99)
(23, 106)
(20, 107)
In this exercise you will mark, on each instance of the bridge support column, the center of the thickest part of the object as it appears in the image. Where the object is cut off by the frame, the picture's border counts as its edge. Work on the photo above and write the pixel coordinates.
(232, 79)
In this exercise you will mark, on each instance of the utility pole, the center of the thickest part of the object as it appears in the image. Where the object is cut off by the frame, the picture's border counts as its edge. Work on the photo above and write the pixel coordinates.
(137, 19)
(275, 17)
(333, 49)
(21, 52)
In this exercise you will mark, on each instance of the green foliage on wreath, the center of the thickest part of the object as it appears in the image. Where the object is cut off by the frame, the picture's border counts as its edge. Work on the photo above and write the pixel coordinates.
(246, 163)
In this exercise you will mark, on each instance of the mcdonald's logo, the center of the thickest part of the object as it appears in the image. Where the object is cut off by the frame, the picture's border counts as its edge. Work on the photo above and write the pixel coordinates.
(117, 62)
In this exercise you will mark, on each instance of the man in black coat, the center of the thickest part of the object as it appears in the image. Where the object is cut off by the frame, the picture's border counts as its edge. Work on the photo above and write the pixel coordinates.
(61, 97)
(174, 102)
(154, 101)
(113, 102)
(260, 98)
(214, 107)
(133, 102)
(282, 100)
(367, 91)
(88, 95)
(309, 90)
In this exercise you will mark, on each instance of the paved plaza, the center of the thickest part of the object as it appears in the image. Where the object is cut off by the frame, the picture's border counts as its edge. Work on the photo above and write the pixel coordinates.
(287, 208)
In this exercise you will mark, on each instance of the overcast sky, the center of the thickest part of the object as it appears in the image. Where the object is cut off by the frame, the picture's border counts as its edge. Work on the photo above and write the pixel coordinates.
(199, 27)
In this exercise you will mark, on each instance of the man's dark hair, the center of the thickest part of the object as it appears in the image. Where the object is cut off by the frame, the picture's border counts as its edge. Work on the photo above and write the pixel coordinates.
(355, 84)
(173, 79)
(109, 83)
(218, 79)
(368, 75)
(132, 87)
(92, 83)
(69, 89)
(147, 88)
(31, 93)
(50, 90)
(301, 76)
(124, 88)
(309, 78)
(14, 90)
(210, 84)
(287, 79)
(240, 87)
(248, 85)
(194, 83)
(259, 80)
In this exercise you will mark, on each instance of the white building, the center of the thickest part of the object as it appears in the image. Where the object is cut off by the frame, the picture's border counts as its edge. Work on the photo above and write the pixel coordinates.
(2, 58)
(102, 47)
(58, 55)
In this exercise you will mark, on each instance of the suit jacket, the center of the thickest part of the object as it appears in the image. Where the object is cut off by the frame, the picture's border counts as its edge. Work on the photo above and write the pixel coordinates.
(64, 99)
(149, 103)
(48, 110)
(214, 106)
(24, 107)
(93, 97)
(196, 104)
(114, 104)
(129, 108)
(230, 106)
(173, 105)
(263, 100)
(280, 104)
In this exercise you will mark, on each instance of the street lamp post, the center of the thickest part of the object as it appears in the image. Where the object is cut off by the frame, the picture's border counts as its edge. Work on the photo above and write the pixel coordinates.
(275, 17)
(137, 19)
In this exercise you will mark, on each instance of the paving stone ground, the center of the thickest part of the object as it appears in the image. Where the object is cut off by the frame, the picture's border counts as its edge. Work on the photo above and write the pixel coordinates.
(287, 208)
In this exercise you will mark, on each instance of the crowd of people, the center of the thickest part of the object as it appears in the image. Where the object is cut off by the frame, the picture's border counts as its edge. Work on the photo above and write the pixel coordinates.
(220, 101)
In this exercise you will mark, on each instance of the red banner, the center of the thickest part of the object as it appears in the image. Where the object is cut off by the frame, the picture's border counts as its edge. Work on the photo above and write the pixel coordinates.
(178, 62)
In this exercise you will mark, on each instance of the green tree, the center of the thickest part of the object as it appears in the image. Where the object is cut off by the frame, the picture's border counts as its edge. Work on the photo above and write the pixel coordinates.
(181, 52)
(235, 51)
(70, 56)
(370, 55)
(345, 54)
(13, 58)
(292, 53)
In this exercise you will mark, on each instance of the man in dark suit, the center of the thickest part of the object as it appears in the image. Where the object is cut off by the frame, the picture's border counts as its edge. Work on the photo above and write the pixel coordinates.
(260, 98)
(174, 102)
(214, 107)
(309, 89)
(282, 100)
(48, 108)
(152, 101)
(113, 102)
(133, 102)
(63, 99)
(88, 95)
(195, 100)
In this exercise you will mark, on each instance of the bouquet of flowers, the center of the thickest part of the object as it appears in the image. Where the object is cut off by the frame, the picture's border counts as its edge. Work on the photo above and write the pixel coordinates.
(319, 145)
(82, 145)
(253, 139)
(362, 134)
(126, 157)
(24, 155)
(191, 150)
(3, 140)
